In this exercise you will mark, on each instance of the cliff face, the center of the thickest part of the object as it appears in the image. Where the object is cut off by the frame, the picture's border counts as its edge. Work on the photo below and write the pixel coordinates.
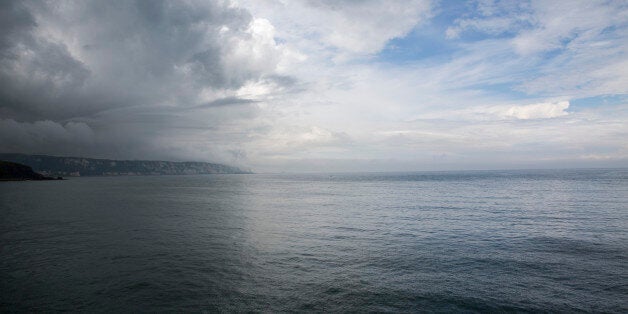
(76, 166)
(10, 171)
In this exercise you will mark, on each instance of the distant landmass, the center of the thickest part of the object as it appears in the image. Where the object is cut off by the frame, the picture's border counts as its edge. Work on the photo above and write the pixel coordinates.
(78, 166)
(10, 171)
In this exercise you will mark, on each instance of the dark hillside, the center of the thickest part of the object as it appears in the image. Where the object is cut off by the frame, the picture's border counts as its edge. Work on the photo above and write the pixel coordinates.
(77, 166)
(10, 171)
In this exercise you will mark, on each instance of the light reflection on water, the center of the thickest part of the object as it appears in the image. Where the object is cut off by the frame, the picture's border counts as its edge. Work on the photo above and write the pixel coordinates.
(451, 241)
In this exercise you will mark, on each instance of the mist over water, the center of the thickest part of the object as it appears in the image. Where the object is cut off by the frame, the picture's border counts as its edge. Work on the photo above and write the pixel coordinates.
(553, 240)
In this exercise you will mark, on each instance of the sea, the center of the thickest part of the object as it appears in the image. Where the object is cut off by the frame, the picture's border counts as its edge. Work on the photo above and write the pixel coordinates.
(463, 242)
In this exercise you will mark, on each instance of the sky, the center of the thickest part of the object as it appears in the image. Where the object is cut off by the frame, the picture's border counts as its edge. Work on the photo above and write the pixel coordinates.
(310, 86)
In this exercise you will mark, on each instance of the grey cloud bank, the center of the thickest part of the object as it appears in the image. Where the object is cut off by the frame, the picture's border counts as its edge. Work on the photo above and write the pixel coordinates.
(77, 76)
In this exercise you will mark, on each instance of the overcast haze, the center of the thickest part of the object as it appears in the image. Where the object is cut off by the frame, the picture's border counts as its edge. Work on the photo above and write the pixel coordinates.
(319, 85)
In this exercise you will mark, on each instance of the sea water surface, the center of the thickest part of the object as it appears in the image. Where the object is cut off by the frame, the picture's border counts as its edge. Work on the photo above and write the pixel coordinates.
(485, 241)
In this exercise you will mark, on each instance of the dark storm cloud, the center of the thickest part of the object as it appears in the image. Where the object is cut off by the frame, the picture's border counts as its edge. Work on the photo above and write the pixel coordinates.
(130, 53)
(65, 64)
(229, 101)
(15, 20)
(33, 71)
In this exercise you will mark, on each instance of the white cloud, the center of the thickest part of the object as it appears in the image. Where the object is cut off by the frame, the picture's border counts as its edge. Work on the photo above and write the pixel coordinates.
(548, 49)
(533, 111)
(493, 18)
(544, 110)
(423, 115)
(348, 28)
(557, 22)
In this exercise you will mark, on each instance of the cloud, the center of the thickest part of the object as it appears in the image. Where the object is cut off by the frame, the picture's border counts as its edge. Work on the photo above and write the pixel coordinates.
(579, 21)
(228, 101)
(44, 136)
(87, 57)
(545, 49)
(545, 110)
(304, 139)
(142, 67)
(366, 26)
(342, 28)
(274, 84)
(494, 18)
